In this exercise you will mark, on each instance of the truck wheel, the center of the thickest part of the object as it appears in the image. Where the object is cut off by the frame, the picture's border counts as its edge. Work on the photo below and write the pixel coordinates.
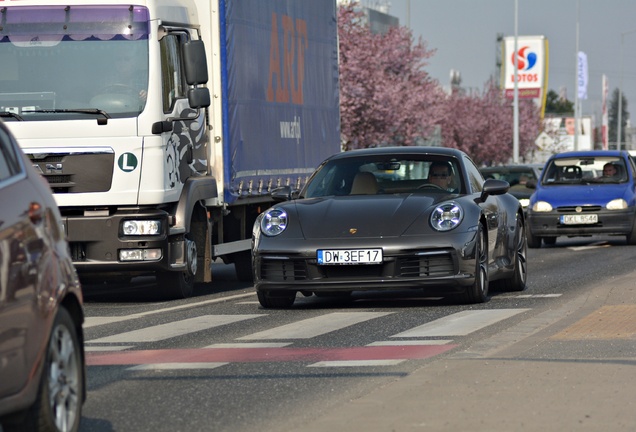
(180, 285)
(283, 300)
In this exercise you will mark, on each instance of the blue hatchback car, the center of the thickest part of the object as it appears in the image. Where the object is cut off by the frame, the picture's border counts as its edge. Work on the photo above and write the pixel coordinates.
(583, 193)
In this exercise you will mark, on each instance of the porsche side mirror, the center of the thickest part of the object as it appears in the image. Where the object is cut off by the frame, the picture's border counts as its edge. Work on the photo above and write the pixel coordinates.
(284, 193)
(494, 187)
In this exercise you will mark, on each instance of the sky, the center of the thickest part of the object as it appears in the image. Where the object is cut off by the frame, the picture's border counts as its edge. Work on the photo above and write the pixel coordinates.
(464, 35)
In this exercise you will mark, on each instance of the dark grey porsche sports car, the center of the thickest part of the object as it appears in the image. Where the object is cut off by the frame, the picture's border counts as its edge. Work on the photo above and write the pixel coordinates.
(391, 218)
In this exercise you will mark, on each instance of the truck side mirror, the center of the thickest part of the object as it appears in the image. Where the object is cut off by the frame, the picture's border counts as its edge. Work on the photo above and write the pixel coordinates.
(195, 62)
(199, 97)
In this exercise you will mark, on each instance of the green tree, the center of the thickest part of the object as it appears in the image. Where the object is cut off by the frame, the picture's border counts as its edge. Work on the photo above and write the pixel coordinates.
(554, 104)
(612, 116)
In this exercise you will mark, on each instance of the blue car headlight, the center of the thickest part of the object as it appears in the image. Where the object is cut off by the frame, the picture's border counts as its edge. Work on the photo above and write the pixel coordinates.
(542, 206)
(446, 216)
(274, 222)
(617, 204)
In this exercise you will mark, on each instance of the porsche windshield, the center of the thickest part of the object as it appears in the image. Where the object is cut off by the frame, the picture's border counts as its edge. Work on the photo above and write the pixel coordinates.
(370, 176)
(585, 170)
(72, 62)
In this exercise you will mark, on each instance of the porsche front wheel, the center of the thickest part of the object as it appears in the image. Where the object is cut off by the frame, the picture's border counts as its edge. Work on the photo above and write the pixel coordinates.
(478, 291)
(518, 280)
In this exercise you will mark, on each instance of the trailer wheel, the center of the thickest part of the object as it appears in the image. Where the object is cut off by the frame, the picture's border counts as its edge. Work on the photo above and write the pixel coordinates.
(180, 285)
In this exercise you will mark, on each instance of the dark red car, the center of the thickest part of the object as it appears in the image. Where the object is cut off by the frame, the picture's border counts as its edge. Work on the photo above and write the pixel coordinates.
(42, 366)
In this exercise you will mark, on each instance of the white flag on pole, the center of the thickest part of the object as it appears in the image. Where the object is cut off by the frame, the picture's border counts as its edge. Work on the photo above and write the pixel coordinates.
(605, 124)
(582, 75)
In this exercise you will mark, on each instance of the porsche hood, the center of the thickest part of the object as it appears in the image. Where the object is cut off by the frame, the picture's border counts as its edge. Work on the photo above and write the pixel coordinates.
(370, 216)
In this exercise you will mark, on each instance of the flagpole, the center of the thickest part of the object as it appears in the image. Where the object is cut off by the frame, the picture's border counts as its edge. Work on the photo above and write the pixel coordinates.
(576, 87)
(515, 104)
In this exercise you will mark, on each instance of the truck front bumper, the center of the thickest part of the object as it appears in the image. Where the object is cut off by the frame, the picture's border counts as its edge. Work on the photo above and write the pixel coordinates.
(98, 243)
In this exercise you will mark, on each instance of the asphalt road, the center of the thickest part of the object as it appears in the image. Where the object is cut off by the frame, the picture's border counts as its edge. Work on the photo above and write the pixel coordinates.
(400, 361)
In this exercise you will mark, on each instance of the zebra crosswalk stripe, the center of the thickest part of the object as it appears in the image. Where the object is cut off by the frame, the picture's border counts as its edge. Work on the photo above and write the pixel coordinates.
(460, 323)
(174, 329)
(312, 327)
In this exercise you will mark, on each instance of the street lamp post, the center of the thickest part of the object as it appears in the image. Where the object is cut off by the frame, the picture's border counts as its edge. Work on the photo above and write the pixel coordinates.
(515, 100)
(620, 94)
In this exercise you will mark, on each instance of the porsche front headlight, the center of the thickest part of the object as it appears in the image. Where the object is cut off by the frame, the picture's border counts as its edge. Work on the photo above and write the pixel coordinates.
(446, 216)
(274, 222)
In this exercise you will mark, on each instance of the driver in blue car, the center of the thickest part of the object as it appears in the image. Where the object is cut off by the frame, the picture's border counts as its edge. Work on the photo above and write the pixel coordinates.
(609, 170)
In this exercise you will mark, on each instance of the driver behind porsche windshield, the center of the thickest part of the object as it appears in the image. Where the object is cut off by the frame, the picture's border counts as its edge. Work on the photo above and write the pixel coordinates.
(52, 72)
(585, 170)
(368, 176)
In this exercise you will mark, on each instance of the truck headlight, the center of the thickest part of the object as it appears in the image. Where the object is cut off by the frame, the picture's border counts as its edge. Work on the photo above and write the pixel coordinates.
(141, 227)
(140, 255)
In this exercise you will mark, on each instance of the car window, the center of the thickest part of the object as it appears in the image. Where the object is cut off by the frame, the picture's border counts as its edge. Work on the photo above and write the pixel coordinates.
(585, 169)
(475, 179)
(405, 174)
(9, 162)
(514, 176)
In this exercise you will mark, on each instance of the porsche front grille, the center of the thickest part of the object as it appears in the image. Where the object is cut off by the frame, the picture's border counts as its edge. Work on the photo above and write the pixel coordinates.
(419, 266)
(427, 266)
(283, 270)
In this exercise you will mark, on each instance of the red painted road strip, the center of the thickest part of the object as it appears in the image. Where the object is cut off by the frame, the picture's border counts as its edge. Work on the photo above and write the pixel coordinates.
(247, 355)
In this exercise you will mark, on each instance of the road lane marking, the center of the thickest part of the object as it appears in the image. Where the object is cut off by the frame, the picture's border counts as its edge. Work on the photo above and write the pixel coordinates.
(601, 244)
(524, 296)
(174, 329)
(357, 363)
(176, 366)
(256, 355)
(95, 321)
(317, 326)
(411, 342)
(460, 323)
(89, 348)
(250, 345)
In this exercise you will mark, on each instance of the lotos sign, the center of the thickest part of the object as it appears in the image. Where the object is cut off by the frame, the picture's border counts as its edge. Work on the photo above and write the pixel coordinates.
(532, 63)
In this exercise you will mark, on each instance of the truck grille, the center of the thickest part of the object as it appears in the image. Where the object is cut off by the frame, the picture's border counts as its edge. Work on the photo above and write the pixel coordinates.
(76, 172)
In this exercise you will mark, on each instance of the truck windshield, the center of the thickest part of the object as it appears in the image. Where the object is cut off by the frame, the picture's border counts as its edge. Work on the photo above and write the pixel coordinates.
(73, 62)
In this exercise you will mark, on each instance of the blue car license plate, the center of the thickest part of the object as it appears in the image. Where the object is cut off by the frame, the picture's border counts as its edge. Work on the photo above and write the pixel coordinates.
(349, 256)
(579, 219)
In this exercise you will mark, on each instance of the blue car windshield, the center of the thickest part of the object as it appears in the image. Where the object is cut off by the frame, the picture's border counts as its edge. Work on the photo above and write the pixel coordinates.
(585, 170)
(385, 175)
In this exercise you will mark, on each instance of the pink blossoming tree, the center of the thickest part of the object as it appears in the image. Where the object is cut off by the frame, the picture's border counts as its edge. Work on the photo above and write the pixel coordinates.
(386, 96)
